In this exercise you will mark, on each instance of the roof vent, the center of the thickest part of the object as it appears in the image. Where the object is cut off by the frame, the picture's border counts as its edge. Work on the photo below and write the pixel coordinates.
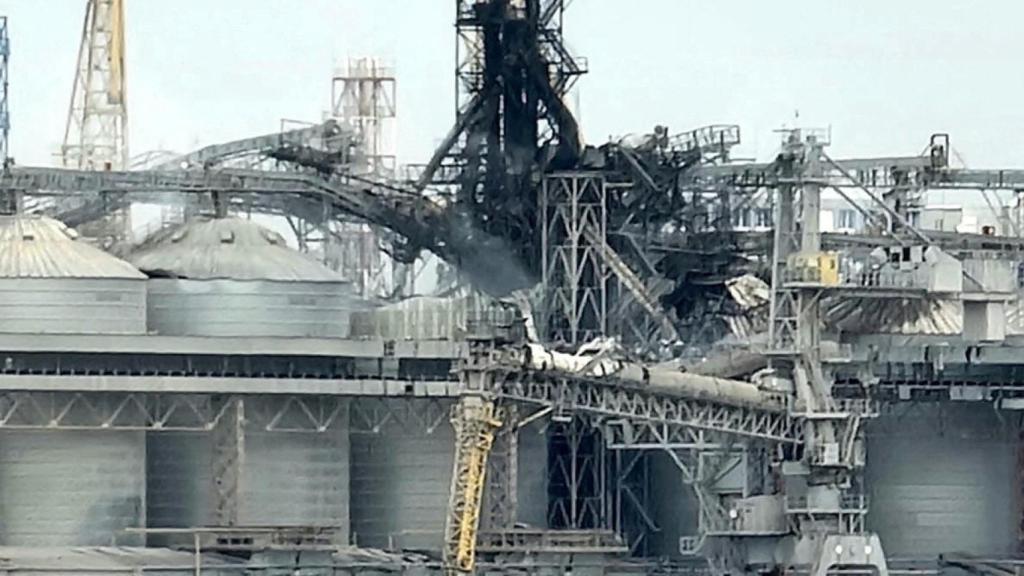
(178, 235)
(227, 237)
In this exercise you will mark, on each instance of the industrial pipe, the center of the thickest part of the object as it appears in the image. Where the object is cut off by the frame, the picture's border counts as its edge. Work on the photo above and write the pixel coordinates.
(660, 380)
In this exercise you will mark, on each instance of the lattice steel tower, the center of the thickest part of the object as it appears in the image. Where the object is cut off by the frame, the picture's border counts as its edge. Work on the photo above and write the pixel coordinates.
(96, 136)
(364, 96)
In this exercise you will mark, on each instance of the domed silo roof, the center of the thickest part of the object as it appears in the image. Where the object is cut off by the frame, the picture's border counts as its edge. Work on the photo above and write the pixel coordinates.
(50, 282)
(226, 248)
(233, 277)
(41, 247)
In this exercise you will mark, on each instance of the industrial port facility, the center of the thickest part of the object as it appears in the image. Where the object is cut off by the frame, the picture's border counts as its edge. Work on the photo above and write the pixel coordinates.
(640, 356)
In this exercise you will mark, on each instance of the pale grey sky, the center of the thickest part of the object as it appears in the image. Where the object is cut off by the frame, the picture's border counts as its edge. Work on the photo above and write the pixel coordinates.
(884, 74)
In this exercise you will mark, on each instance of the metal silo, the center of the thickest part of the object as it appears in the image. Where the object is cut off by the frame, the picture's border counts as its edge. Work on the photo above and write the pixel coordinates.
(233, 277)
(288, 478)
(71, 488)
(401, 476)
(52, 283)
(64, 487)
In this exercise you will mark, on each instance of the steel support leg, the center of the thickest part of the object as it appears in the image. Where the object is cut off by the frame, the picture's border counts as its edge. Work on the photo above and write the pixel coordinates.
(502, 475)
(228, 461)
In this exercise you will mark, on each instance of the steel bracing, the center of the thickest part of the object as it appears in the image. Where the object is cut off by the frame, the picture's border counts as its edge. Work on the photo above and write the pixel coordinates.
(96, 135)
(228, 459)
(96, 132)
(475, 420)
(625, 240)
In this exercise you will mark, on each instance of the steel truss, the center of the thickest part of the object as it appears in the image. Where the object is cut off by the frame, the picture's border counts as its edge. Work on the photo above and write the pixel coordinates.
(574, 274)
(609, 398)
(475, 420)
(228, 460)
(420, 222)
(501, 494)
(577, 475)
(170, 412)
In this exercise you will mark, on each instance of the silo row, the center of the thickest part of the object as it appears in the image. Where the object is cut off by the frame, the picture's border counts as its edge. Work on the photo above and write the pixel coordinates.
(208, 277)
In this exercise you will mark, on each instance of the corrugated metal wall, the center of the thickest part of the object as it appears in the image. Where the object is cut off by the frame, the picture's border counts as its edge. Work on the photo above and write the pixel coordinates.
(400, 483)
(533, 476)
(250, 308)
(289, 478)
(71, 488)
(297, 478)
(177, 479)
(942, 480)
(73, 306)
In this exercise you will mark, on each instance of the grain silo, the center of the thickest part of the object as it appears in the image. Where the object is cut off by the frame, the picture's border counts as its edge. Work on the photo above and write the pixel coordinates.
(233, 277)
(63, 487)
(52, 283)
(220, 277)
(401, 476)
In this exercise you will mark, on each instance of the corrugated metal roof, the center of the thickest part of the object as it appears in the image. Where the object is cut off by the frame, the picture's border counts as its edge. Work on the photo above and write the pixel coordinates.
(227, 248)
(41, 247)
(865, 315)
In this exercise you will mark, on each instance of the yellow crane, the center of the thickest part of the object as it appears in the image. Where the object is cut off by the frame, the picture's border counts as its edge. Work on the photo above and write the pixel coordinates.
(96, 133)
(475, 420)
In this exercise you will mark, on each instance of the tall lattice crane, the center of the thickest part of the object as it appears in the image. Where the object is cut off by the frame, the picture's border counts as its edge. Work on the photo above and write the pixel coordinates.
(96, 136)
(475, 418)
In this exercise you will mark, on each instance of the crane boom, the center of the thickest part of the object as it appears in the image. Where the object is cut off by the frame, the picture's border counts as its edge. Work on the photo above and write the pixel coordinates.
(475, 419)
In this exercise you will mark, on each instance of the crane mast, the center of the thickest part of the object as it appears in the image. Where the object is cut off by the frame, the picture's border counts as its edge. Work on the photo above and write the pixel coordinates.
(475, 418)
(96, 134)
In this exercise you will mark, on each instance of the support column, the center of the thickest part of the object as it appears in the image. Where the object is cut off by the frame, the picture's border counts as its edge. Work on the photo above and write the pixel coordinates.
(228, 459)
(501, 496)
(574, 277)
(577, 478)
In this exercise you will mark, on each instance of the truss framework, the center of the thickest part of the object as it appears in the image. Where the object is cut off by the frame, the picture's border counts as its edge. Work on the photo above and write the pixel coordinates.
(173, 412)
(612, 399)
(573, 270)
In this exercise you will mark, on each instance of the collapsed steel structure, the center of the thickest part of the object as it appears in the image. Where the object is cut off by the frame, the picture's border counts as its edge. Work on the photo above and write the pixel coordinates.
(636, 240)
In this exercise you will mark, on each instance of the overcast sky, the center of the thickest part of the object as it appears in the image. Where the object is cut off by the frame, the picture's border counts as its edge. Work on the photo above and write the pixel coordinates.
(883, 74)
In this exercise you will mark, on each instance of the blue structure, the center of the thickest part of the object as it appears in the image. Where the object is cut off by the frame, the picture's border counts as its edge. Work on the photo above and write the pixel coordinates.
(5, 119)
